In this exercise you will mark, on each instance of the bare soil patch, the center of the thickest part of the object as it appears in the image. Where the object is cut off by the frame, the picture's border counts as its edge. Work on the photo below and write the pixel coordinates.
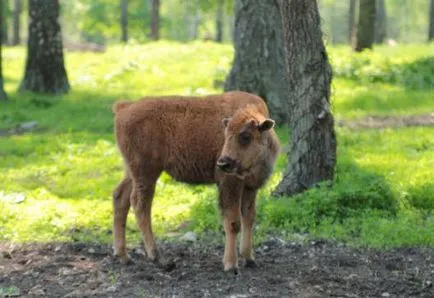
(389, 121)
(317, 269)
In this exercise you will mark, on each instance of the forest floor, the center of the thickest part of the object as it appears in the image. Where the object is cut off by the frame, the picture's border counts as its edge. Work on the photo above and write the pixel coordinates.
(286, 269)
(389, 121)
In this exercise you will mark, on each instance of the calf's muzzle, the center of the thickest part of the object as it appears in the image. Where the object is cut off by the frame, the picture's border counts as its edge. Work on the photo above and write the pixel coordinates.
(226, 164)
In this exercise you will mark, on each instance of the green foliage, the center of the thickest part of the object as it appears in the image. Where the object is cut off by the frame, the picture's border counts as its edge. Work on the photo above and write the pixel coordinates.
(56, 182)
(421, 197)
(411, 69)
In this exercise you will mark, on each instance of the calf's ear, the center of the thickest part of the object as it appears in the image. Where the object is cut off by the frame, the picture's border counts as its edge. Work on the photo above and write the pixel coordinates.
(226, 121)
(266, 125)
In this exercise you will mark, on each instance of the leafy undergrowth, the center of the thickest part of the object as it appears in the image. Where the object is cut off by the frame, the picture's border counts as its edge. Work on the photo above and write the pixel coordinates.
(56, 183)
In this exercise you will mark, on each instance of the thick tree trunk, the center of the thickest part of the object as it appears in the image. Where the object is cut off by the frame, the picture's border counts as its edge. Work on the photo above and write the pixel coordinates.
(259, 65)
(313, 142)
(124, 20)
(431, 22)
(4, 28)
(219, 21)
(155, 19)
(380, 22)
(365, 34)
(351, 21)
(45, 71)
(16, 23)
(3, 96)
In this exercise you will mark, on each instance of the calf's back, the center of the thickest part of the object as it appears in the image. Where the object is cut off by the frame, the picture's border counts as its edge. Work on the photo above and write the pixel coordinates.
(180, 135)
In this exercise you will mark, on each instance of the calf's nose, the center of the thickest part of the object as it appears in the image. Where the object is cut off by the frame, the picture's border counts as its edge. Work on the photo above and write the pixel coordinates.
(226, 164)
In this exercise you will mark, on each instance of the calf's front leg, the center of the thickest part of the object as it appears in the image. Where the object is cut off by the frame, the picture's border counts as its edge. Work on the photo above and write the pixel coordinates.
(248, 213)
(230, 191)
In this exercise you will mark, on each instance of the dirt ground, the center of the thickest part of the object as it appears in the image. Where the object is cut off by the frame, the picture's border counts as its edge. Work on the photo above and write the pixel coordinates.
(317, 269)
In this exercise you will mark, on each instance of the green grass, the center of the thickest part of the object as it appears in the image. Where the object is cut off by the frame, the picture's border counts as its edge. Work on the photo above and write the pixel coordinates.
(56, 183)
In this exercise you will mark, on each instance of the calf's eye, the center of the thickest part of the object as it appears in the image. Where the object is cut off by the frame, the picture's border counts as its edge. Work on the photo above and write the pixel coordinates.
(245, 138)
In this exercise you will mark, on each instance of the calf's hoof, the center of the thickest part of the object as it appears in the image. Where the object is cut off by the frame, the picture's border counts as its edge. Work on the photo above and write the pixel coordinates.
(232, 271)
(123, 259)
(231, 267)
(251, 264)
(155, 256)
(166, 265)
(161, 262)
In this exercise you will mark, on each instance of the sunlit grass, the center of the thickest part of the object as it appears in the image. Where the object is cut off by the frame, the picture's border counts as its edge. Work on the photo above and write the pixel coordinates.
(355, 100)
(56, 183)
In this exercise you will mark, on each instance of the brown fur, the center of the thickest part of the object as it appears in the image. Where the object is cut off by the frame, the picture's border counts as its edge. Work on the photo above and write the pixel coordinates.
(185, 137)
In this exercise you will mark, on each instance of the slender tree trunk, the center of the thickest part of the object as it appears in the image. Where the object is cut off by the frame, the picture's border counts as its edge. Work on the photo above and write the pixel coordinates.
(16, 23)
(259, 65)
(155, 19)
(351, 21)
(431, 22)
(380, 22)
(313, 142)
(405, 11)
(195, 22)
(124, 20)
(3, 96)
(4, 28)
(45, 71)
(219, 21)
(365, 34)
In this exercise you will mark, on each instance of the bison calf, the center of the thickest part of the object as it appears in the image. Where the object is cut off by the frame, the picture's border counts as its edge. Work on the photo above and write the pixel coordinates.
(225, 139)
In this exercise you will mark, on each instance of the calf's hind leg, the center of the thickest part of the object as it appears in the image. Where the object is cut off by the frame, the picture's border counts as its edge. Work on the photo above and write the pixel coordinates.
(141, 198)
(121, 206)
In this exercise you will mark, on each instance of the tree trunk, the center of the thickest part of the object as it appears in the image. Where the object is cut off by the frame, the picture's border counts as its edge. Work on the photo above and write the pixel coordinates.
(155, 19)
(313, 142)
(4, 28)
(124, 20)
(380, 22)
(3, 96)
(16, 23)
(365, 34)
(431, 22)
(351, 21)
(194, 26)
(259, 65)
(45, 71)
(219, 21)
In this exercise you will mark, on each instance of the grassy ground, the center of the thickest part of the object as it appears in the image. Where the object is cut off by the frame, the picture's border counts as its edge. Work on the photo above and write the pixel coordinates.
(56, 183)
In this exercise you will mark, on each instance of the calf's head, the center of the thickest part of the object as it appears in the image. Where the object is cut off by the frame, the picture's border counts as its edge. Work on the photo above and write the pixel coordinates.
(245, 143)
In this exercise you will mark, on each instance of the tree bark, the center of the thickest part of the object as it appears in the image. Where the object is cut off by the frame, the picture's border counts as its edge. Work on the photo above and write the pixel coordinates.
(351, 21)
(259, 65)
(4, 28)
(219, 21)
(16, 23)
(124, 20)
(3, 96)
(365, 34)
(45, 71)
(380, 21)
(431, 22)
(313, 142)
(155, 19)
